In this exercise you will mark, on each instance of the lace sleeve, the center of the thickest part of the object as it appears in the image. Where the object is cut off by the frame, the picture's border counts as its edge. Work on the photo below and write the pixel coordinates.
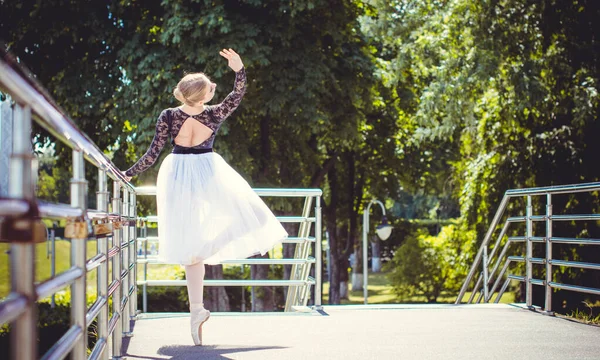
(160, 139)
(232, 101)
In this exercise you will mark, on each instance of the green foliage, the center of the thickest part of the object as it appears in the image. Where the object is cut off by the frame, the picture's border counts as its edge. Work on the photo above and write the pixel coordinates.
(511, 87)
(165, 298)
(589, 315)
(428, 265)
(437, 105)
(53, 323)
(513, 84)
(43, 262)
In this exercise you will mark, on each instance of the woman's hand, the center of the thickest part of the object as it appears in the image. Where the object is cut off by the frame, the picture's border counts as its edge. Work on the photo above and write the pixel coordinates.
(233, 59)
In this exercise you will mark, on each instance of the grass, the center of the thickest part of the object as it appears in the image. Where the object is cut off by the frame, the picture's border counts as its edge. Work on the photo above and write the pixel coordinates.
(591, 316)
(43, 262)
(380, 291)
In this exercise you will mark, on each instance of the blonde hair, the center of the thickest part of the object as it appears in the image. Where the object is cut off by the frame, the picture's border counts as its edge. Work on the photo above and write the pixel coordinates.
(192, 88)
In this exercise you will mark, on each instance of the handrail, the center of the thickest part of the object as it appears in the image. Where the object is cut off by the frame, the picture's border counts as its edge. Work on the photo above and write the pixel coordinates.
(116, 237)
(482, 260)
(51, 118)
(555, 189)
(151, 190)
(299, 283)
(32, 102)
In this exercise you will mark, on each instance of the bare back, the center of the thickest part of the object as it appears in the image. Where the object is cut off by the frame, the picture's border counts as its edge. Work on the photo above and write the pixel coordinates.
(192, 133)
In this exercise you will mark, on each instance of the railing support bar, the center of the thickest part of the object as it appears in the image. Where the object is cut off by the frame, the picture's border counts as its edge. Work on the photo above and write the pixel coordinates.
(548, 287)
(125, 263)
(78, 258)
(22, 255)
(318, 255)
(116, 275)
(529, 254)
(484, 263)
(133, 255)
(102, 272)
(485, 243)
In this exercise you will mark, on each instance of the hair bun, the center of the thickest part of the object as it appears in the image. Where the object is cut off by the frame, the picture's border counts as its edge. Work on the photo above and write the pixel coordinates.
(179, 95)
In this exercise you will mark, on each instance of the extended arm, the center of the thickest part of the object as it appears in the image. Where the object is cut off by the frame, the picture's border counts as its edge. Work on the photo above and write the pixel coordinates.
(233, 100)
(161, 137)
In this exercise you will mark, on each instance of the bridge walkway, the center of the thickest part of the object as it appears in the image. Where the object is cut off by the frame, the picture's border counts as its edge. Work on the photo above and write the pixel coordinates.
(484, 331)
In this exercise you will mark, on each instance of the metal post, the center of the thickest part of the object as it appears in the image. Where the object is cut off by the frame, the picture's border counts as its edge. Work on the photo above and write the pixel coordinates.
(366, 246)
(133, 256)
(145, 287)
(365, 253)
(6, 143)
(22, 255)
(529, 255)
(318, 255)
(24, 332)
(243, 291)
(102, 273)
(125, 264)
(78, 258)
(548, 288)
(328, 257)
(486, 294)
(53, 261)
(117, 334)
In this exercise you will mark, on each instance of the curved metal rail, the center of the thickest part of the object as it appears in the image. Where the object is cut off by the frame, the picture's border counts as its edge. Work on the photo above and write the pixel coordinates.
(22, 227)
(299, 283)
(482, 261)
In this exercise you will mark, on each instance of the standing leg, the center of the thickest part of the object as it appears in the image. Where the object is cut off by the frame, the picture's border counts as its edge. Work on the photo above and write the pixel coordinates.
(195, 284)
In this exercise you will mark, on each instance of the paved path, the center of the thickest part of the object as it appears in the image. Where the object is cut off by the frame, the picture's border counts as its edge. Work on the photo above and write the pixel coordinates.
(486, 331)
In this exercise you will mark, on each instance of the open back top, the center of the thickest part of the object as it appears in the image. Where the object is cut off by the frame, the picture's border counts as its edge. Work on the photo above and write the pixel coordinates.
(170, 122)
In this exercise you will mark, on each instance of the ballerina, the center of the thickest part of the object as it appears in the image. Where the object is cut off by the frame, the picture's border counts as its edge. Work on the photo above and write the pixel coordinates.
(206, 211)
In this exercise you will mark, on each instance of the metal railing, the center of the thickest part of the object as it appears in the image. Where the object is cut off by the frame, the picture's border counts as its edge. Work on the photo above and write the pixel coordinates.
(299, 283)
(21, 217)
(113, 225)
(488, 281)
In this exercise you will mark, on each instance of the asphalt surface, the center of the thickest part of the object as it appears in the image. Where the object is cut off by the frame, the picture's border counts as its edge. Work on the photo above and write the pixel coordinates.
(486, 331)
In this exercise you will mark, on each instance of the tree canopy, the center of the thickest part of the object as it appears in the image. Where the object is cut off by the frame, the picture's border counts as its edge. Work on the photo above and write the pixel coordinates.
(439, 106)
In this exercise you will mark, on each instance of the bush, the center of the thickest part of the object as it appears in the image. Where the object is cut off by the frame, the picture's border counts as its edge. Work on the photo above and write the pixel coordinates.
(53, 323)
(427, 265)
(165, 298)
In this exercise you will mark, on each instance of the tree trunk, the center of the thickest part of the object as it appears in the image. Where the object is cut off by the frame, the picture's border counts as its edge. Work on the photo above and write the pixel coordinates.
(344, 278)
(265, 146)
(215, 297)
(263, 295)
(330, 211)
(334, 285)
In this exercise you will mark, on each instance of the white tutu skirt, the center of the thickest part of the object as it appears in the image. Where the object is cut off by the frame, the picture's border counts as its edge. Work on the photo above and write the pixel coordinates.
(208, 212)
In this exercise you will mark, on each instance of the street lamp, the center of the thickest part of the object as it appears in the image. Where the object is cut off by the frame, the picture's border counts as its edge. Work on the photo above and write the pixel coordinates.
(383, 231)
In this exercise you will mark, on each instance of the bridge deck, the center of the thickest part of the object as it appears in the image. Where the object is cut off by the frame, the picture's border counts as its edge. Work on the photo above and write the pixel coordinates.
(486, 331)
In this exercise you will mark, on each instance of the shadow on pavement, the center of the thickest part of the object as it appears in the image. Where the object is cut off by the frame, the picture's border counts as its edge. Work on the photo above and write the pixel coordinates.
(185, 352)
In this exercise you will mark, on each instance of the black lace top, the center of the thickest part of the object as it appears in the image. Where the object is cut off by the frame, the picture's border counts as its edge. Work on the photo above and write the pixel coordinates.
(170, 121)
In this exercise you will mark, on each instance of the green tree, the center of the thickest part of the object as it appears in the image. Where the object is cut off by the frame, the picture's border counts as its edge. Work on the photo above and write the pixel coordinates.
(312, 105)
(512, 86)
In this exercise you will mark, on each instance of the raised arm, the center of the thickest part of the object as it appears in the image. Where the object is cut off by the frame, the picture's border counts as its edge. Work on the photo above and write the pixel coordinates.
(161, 136)
(232, 101)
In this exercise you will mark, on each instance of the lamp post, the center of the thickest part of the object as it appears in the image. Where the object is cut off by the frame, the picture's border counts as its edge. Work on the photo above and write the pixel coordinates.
(384, 230)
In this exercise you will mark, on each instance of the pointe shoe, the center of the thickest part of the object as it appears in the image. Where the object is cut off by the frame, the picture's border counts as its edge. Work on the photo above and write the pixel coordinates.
(197, 318)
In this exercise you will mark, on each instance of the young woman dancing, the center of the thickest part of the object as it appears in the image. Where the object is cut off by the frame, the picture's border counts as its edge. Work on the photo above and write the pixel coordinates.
(206, 211)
